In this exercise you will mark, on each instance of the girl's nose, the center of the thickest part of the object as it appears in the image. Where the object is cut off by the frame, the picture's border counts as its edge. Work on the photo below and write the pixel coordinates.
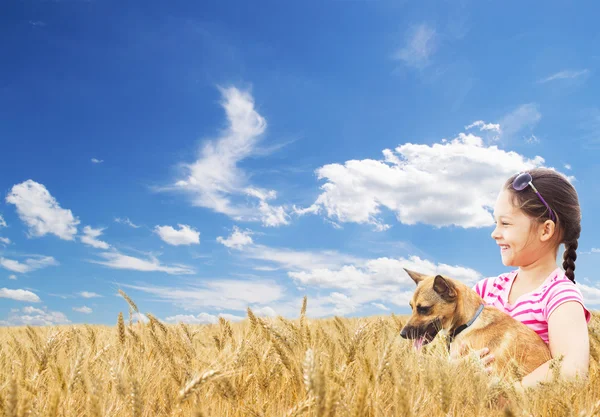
(495, 234)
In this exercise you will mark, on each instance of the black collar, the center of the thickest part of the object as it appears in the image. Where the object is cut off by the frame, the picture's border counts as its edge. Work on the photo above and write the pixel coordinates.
(462, 327)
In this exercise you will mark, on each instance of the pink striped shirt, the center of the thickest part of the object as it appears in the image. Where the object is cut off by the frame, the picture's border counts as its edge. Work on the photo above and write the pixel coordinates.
(532, 308)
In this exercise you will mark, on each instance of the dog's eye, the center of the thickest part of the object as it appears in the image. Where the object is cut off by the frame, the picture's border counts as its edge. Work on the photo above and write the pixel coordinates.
(423, 309)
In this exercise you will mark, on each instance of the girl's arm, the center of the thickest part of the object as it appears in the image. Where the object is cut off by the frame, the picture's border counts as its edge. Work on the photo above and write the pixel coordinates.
(569, 338)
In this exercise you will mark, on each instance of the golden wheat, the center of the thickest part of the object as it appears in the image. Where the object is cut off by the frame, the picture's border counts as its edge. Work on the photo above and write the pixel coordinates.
(263, 367)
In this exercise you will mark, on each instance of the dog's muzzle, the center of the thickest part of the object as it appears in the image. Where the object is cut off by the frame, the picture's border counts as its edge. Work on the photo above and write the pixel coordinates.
(422, 334)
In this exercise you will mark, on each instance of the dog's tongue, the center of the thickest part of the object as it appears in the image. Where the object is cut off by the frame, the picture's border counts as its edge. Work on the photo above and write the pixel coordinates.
(418, 343)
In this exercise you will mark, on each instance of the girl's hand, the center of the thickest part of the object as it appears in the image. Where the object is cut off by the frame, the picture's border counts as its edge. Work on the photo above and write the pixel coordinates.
(482, 355)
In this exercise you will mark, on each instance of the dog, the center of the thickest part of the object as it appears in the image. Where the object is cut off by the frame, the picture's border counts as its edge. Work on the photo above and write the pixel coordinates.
(441, 303)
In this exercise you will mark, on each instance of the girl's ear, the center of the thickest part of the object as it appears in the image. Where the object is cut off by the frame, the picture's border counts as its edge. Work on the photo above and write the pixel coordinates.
(547, 230)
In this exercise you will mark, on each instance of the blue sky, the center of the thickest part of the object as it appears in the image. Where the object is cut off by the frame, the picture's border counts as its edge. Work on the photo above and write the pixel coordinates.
(206, 157)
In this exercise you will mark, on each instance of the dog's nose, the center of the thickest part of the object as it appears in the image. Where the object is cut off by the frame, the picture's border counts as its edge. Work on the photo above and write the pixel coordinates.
(403, 332)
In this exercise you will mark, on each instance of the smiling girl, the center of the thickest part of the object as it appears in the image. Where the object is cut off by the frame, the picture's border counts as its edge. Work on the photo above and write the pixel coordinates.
(536, 212)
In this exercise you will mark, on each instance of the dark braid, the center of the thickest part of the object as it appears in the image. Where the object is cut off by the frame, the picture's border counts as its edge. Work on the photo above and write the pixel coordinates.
(570, 257)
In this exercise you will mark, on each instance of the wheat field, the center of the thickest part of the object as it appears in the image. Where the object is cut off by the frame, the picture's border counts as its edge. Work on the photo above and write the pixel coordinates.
(261, 367)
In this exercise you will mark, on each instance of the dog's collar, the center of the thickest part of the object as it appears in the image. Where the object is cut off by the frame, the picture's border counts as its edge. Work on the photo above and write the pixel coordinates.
(464, 326)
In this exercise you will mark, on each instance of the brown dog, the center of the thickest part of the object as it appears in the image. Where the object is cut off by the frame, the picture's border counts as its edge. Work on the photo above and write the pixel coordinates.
(443, 303)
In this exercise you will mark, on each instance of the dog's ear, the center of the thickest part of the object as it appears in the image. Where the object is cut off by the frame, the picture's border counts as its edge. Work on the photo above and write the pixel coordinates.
(416, 277)
(444, 288)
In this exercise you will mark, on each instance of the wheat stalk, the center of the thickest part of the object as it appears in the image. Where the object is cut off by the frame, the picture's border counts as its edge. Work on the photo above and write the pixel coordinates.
(129, 301)
(53, 405)
(13, 399)
(299, 408)
(136, 402)
(121, 329)
(253, 320)
(195, 383)
(157, 322)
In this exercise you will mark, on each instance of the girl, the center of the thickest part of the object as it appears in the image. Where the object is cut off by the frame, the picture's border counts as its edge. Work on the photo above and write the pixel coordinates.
(537, 211)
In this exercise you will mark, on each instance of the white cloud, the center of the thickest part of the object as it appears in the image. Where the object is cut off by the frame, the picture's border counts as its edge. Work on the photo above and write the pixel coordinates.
(381, 272)
(63, 296)
(524, 117)
(127, 222)
(483, 126)
(377, 282)
(41, 212)
(29, 265)
(450, 183)
(35, 317)
(591, 295)
(314, 209)
(591, 251)
(19, 295)
(97, 161)
(13, 276)
(565, 75)
(232, 317)
(287, 258)
(90, 236)
(87, 294)
(184, 236)
(215, 180)
(83, 309)
(354, 282)
(202, 318)
(419, 46)
(2, 222)
(140, 317)
(265, 312)
(568, 166)
(318, 306)
(4, 240)
(272, 216)
(342, 303)
(532, 139)
(265, 268)
(31, 310)
(234, 295)
(117, 260)
(335, 303)
(237, 239)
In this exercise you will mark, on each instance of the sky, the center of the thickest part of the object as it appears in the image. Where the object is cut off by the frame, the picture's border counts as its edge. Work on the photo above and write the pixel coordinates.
(206, 157)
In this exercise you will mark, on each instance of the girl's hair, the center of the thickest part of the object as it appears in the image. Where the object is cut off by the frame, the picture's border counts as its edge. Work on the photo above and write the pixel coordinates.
(562, 198)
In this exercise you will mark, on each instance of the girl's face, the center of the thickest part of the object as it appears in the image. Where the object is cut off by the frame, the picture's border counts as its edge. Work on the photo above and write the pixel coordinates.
(514, 234)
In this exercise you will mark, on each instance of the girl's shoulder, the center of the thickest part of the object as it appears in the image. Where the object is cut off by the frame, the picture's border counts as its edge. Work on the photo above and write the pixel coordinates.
(559, 290)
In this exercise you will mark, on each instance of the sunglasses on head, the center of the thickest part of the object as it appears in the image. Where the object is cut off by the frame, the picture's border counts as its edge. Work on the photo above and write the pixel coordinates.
(522, 181)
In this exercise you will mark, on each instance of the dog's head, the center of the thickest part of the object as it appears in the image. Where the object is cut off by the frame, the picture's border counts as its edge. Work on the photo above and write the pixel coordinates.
(433, 306)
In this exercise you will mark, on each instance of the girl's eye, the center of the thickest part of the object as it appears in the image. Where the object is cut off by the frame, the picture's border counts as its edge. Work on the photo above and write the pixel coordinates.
(504, 224)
